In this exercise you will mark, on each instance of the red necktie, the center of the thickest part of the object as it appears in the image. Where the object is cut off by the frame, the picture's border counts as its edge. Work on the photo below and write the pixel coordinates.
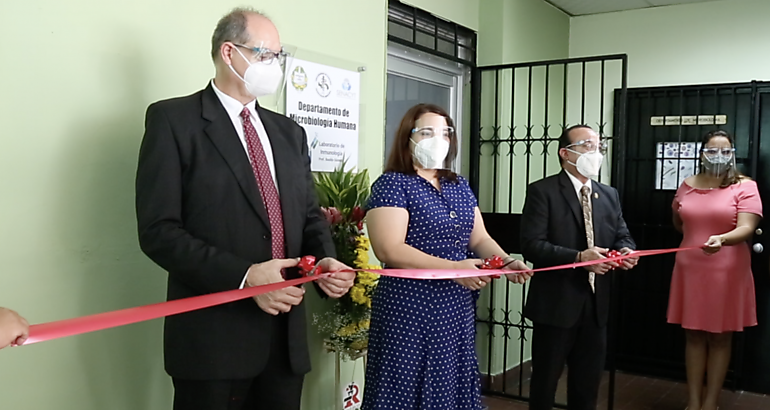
(265, 183)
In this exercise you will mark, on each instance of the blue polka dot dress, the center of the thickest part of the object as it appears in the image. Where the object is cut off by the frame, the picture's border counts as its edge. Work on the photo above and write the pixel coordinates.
(421, 342)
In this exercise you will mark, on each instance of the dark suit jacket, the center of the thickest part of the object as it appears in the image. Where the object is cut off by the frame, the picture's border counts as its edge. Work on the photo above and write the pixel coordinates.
(552, 234)
(201, 218)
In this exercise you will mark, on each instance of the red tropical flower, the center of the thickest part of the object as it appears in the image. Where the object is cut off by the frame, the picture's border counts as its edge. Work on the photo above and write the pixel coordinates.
(333, 215)
(357, 214)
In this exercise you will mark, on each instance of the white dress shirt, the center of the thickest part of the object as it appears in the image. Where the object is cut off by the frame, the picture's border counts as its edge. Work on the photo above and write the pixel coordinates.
(234, 108)
(579, 185)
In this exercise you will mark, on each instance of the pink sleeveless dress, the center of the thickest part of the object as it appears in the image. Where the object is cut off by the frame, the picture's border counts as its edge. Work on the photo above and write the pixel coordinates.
(714, 293)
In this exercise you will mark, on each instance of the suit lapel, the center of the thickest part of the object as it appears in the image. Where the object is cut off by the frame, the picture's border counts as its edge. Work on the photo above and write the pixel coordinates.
(569, 194)
(285, 165)
(601, 206)
(221, 132)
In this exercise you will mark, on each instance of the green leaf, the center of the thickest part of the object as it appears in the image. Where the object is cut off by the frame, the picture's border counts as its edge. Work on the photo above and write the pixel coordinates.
(342, 189)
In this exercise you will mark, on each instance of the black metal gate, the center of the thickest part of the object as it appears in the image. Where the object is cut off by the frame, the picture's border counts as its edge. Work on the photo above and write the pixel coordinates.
(665, 125)
(518, 112)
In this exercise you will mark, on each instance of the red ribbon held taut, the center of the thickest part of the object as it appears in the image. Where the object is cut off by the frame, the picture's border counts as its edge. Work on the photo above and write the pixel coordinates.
(85, 324)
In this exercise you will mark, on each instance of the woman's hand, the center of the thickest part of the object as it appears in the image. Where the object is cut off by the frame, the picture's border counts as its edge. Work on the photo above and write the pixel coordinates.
(714, 244)
(475, 283)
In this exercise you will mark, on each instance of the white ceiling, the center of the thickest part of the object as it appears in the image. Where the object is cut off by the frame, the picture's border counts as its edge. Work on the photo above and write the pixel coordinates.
(584, 7)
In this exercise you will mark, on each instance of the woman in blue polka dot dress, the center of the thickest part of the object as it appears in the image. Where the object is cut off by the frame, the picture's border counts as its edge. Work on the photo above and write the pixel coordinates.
(423, 216)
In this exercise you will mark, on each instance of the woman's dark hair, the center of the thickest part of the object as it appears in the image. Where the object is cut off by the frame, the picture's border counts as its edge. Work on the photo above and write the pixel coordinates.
(733, 176)
(400, 159)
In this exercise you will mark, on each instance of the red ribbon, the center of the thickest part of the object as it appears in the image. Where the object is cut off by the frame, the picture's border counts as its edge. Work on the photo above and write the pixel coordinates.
(71, 327)
(85, 324)
(470, 273)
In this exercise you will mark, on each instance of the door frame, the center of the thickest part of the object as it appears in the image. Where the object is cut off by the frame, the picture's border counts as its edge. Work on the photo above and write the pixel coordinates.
(736, 377)
(420, 66)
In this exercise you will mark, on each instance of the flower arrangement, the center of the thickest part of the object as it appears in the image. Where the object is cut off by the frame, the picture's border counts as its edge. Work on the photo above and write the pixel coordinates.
(341, 195)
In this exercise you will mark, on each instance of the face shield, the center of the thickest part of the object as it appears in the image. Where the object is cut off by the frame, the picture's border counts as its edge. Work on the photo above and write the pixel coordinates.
(591, 157)
(265, 77)
(718, 161)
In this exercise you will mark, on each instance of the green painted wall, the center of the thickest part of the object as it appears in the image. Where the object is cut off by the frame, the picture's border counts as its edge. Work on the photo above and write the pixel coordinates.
(514, 31)
(710, 42)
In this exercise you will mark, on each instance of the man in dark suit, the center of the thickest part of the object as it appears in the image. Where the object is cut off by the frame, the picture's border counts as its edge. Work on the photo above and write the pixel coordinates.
(570, 218)
(224, 195)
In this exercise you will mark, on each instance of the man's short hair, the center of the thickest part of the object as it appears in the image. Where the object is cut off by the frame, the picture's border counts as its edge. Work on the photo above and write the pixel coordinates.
(232, 27)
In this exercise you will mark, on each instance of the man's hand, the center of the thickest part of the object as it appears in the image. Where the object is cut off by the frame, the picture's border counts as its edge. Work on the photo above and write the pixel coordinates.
(14, 329)
(519, 277)
(270, 272)
(628, 263)
(596, 254)
(337, 284)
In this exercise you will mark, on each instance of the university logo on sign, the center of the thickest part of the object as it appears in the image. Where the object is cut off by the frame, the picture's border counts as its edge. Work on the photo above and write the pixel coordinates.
(299, 78)
(323, 85)
(346, 91)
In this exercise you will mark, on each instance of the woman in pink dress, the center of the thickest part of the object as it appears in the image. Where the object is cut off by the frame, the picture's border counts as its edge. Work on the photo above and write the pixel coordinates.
(712, 292)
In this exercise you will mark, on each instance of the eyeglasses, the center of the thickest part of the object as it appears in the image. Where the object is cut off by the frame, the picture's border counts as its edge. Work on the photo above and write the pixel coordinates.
(726, 152)
(430, 132)
(591, 146)
(265, 55)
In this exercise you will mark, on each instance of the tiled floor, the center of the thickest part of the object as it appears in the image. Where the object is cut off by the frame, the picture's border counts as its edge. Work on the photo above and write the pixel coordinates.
(642, 393)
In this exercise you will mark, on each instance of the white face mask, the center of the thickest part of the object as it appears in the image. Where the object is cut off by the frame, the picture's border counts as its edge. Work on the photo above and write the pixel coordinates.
(589, 163)
(260, 79)
(431, 152)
